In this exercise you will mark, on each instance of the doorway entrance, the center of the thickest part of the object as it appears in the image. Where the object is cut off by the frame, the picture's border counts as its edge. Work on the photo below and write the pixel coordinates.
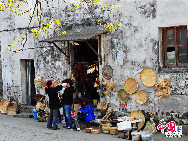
(85, 66)
(28, 76)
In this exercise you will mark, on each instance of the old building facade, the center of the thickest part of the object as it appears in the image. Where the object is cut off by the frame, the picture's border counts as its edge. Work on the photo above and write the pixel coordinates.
(138, 44)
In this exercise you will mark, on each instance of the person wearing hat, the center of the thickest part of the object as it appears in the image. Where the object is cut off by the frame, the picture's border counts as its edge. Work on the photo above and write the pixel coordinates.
(54, 104)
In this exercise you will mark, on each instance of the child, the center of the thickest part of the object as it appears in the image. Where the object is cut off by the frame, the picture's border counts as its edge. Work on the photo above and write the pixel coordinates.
(86, 112)
(63, 88)
(76, 122)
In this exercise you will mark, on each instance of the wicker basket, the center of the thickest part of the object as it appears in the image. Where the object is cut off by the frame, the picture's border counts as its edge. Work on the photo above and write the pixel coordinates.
(148, 77)
(4, 105)
(88, 130)
(106, 92)
(122, 96)
(102, 106)
(110, 85)
(104, 84)
(113, 130)
(164, 93)
(1, 103)
(106, 128)
(11, 109)
(38, 79)
(139, 115)
(130, 85)
(164, 83)
(107, 72)
(95, 131)
(141, 97)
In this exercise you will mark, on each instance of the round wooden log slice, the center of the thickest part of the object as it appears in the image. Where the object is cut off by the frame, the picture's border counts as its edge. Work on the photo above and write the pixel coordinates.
(122, 96)
(138, 115)
(141, 97)
(107, 72)
(148, 77)
(130, 85)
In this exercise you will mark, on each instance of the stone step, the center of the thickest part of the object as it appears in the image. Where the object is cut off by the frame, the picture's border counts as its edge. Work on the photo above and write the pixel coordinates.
(24, 115)
(27, 109)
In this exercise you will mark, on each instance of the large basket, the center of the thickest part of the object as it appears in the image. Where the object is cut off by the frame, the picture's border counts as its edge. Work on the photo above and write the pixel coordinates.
(38, 79)
(148, 77)
(88, 130)
(141, 97)
(139, 115)
(107, 72)
(130, 85)
(11, 109)
(164, 93)
(113, 130)
(122, 96)
(164, 83)
(4, 105)
(95, 131)
(106, 129)
(1, 103)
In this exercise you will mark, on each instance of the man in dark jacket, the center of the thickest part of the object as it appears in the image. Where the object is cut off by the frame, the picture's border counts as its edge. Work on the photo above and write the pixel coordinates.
(68, 101)
(54, 104)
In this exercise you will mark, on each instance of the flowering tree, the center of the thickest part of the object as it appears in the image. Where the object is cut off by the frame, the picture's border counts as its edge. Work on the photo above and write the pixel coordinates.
(46, 24)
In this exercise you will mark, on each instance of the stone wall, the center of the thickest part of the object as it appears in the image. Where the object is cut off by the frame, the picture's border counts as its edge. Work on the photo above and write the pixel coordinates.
(1, 81)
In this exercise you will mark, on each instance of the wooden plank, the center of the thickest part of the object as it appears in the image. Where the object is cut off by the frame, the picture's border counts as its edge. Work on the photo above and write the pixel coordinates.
(90, 46)
(60, 49)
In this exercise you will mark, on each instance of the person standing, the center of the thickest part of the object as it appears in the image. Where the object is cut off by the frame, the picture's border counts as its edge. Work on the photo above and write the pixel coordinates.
(68, 101)
(54, 104)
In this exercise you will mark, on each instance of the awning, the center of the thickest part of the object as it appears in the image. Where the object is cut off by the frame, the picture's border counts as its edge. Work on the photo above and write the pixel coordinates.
(78, 34)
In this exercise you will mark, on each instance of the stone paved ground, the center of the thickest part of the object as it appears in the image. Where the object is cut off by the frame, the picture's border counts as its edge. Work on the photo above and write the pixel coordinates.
(26, 129)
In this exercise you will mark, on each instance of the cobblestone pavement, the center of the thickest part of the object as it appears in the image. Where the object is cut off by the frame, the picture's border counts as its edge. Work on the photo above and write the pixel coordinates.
(26, 129)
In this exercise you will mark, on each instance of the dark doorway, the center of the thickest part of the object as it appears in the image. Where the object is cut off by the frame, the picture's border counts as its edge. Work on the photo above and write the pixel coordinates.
(30, 87)
(84, 59)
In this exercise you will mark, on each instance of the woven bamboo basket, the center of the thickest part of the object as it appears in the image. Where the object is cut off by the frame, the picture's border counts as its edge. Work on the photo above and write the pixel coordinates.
(164, 83)
(130, 85)
(148, 77)
(40, 106)
(139, 115)
(107, 72)
(95, 131)
(141, 97)
(102, 106)
(11, 109)
(164, 93)
(4, 106)
(110, 85)
(1, 103)
(106, 129)
(113, 130)
(88, 130)
(122, 96)
(106, 92)
(104, 84)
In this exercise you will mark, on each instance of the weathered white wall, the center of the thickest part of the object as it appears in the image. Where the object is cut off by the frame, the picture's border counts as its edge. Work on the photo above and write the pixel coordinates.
(138, 47)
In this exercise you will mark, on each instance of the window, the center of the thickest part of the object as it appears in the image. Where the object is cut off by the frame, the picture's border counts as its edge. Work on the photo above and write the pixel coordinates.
(174, 47)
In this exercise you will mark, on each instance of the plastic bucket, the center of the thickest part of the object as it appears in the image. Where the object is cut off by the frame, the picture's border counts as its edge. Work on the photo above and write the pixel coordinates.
(35, 115)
